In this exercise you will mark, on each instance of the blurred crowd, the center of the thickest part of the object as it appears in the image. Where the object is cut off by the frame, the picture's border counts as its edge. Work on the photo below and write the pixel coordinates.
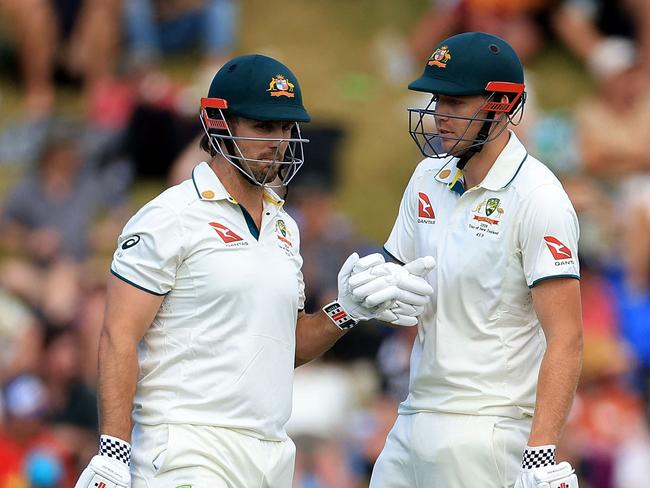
(60, 220)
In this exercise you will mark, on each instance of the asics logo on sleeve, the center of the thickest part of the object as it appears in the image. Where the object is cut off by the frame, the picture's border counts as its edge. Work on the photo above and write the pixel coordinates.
(425, 210)
(225, 233)
(131, 241)
(557, 248)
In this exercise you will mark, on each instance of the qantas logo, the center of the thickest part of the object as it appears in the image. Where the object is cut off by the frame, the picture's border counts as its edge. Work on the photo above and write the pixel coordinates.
(225, 233)
(558, 250)
(425, 210)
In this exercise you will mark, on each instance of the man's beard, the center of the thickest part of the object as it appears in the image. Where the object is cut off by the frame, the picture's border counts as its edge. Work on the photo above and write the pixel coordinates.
(255, 176)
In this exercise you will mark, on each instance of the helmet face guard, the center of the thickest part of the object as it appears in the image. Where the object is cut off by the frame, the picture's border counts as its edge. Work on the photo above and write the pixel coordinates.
(424, 129)
(287, 159)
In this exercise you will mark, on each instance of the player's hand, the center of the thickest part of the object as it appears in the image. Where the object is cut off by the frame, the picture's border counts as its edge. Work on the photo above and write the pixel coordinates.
(402, 313)
(389, 283)
(556, 476)
(370, 288)
(538, 470)
(351, 304)
(105, 471)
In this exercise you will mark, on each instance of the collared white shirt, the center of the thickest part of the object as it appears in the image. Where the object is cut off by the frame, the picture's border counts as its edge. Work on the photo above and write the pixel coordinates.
(480, 344)
(221, 349)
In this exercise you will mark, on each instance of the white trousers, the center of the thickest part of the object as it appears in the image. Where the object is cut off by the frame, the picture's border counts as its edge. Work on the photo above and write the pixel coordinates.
(433, 450)
(189, 456)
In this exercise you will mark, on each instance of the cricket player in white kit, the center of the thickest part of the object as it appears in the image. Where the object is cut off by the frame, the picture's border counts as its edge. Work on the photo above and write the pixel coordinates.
(204, 322)
(498, 354)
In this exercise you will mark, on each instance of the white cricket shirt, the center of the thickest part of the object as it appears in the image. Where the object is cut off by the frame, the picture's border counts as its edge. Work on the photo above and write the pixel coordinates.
(221, 349)
(480, 344)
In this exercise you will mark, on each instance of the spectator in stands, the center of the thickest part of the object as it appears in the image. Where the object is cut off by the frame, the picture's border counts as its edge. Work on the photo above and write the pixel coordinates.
(520, 22)
(605, 34)
(607, 419)
(79, 37)
(31, 454)
(72, 404)
(157, 27)
(47, 221)
(20, 338)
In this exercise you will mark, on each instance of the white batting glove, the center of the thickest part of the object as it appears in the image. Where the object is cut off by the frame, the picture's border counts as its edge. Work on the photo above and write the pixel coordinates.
(109, 468)
(402, 313)
(347, 310)
(390, 282)
(369, 287)
(538, 470)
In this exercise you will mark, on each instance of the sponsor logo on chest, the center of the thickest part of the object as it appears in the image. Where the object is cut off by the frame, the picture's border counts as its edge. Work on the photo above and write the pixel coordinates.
(229, 238)
(426, 215)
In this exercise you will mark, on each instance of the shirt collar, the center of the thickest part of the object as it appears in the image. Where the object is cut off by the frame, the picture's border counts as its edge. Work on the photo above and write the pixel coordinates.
(209, 187)
(500, 175)
(451, 176)
(506, 166)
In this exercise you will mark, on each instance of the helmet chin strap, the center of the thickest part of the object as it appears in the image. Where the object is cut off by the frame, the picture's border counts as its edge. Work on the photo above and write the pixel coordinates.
(476, 148)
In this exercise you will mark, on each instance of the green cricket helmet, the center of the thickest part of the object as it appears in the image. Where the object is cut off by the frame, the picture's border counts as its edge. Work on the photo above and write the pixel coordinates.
(468, 64)
(259, 88)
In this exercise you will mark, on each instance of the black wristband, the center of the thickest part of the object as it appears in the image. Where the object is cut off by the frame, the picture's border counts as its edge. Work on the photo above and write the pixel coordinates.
(115, 448)
(538, 457)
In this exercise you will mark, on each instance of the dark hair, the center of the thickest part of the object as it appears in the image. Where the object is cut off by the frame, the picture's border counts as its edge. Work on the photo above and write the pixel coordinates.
(205, 144)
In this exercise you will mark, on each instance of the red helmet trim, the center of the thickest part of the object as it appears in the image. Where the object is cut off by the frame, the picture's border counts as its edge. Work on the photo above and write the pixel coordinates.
(503, 87)
(213, 123)
(214, 103)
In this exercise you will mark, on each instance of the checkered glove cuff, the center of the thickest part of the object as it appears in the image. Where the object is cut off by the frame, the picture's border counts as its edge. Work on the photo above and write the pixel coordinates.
(115, 448)
(538, 456)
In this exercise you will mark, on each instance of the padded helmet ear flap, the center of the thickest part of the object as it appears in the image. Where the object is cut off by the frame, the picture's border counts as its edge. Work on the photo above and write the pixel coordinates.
(514, 92)
(212, 114)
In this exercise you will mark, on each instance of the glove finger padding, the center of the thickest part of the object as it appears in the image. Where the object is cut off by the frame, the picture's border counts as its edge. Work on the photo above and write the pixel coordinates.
(375, 285)
(348, 265)
(401, 308)
(391, 274)
(397, 319)
(366, 276)
(415, 284)
(393, 292)
(367, 262)
(421, 266)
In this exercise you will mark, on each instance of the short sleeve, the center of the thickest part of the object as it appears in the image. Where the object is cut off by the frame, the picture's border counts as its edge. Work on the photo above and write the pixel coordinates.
(149, 250)
(548, 236)
(401, 241)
